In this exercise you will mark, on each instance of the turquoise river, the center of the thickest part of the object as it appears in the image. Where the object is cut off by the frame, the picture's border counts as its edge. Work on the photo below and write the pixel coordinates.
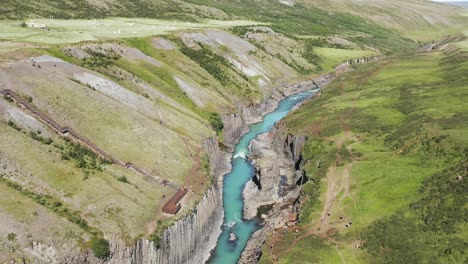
(228, 252)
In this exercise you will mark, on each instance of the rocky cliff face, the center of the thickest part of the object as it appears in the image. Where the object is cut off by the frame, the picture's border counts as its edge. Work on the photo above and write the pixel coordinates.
(219, 160)
(277, 162)
(234, 128)
(236, 124)
(277, 157)
(188, 240)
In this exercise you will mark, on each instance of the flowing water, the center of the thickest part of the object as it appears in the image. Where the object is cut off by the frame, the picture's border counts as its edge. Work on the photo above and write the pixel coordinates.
(226, 251)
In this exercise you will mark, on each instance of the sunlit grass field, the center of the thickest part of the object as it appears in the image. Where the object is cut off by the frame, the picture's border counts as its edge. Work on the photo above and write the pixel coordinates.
(332, 56)
(69, 31)
(408, 113)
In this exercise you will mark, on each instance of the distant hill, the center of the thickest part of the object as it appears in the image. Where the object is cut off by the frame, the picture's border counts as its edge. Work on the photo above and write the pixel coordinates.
(319, 16)
(463, 4)
(412, 18)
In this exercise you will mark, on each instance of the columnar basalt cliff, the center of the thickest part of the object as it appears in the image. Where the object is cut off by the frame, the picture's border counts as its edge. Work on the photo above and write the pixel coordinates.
(188, 240)
(234, 128)
(277, 163)
(219, 160)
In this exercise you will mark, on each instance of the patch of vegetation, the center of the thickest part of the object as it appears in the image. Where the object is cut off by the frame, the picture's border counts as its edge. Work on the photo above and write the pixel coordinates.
(11, 236)
(83, 157)
(156, 239)
(103, 58)
(100, 247)
(156, 236)
(36, 136)
(15, 10)
(122, 179)
(309, 54)
(52, 204)
(216, 122)
(12, 124)
(210, 61)
(8, 98)
(220, 69)
(206, 164)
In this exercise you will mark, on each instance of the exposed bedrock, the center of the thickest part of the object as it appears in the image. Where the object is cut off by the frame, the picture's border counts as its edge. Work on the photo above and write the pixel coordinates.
(188, 240)
(234, 128)
(219, 159)
(277, 159)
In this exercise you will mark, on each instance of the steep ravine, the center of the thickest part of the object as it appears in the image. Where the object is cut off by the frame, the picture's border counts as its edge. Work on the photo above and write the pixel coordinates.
(277, 159)
(236, 124)
(190, 239)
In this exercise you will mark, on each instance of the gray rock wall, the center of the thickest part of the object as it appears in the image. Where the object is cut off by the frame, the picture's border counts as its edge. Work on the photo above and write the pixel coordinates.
(188, 240)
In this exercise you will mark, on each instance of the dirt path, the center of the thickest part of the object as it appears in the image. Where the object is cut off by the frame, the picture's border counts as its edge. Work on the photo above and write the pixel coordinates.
(337, 182)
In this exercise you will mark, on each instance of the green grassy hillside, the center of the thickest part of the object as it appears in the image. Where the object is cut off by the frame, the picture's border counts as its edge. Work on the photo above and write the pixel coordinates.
(305, 20)
(414, 19)
(390, 138)
(166, 9)
(346, 18)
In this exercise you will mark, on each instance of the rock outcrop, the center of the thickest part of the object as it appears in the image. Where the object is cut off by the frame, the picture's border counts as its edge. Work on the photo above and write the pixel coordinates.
(253, 250)
(219, 160)
(188, 240)
(234, 128)
(277, 157)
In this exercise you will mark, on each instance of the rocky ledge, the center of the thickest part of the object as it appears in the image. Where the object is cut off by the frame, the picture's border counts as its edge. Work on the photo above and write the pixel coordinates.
(274, 192)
